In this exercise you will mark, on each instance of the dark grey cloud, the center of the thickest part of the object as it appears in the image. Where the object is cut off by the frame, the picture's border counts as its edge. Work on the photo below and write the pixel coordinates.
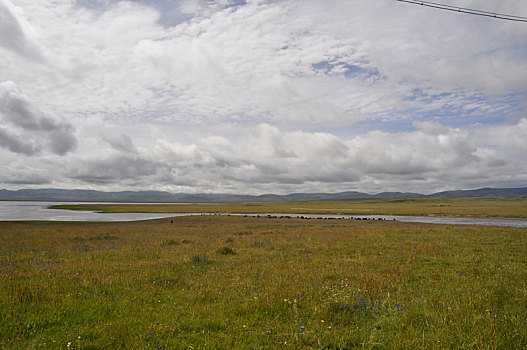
(62, 140)
(14, 144)
(45, 133)
(19, 112)
(22, 178)
(114, 169)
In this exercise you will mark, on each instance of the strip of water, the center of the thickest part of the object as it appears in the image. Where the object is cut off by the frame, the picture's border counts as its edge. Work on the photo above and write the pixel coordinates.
(39, 211)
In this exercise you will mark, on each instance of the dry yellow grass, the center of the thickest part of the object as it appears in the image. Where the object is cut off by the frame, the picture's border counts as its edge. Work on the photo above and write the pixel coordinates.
(481, 207)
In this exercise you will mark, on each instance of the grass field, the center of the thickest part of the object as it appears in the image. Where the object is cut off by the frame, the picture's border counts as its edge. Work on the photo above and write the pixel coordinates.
(225, 282)
(475, 207)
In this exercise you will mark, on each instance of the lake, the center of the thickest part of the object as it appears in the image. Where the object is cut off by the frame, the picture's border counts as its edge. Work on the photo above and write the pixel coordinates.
(39, 211)
(36, 211)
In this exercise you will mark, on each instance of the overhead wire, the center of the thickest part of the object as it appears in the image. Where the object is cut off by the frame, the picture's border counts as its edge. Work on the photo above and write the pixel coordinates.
(466, 10)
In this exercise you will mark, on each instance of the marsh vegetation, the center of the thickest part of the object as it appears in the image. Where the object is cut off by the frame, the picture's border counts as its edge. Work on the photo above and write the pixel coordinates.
(472, 207)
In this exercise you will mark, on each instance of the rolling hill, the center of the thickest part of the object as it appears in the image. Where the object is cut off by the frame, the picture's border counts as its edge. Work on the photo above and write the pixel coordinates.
(167, 197)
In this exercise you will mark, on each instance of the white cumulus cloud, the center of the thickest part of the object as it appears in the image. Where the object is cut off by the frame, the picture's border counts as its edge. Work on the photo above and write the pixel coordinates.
(261, 96)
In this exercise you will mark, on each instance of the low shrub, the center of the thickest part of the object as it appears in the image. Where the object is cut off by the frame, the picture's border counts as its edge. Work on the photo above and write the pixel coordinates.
(226, 251)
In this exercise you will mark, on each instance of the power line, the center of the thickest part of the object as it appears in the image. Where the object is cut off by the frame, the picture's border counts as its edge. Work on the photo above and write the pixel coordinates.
(466, 10)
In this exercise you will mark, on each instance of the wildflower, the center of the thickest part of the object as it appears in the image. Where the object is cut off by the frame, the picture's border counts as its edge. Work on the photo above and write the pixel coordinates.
(69, 344)
(329, 327)
(244, 326)
(322, 321)
(302, 328)
(150, 335)
(363, 305)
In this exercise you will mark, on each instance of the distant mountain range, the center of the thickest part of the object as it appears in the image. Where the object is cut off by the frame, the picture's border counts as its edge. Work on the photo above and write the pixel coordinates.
(59, 195)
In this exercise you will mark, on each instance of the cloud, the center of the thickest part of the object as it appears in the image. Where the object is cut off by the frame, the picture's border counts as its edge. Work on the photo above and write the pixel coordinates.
(273, 96)
(194, 8)
(14, 143)
(122, 143)
(43, 132)
(419, 160)
(509, 139)
(268, 159)
(431, 128)
(413, 154)
(113, 169)
(15, 175)
(290, 62)
(13, 36)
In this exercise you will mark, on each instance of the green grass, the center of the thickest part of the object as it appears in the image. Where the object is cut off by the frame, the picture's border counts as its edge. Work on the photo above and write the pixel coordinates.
(220, 282)
(475, 207)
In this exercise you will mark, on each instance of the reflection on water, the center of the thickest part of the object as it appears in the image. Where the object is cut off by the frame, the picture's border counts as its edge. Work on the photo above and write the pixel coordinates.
(15, 210)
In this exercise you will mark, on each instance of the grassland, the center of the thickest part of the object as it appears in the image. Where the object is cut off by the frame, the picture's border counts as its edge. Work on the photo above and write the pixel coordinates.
(473, 207)
(225, 282)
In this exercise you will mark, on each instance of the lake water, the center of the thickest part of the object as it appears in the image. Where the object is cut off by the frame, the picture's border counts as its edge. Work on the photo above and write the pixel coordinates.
(21, 210)
(15, 211)
(420, 219)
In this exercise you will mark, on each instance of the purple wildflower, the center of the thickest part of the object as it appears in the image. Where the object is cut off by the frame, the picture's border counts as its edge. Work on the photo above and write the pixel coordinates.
(363, 305)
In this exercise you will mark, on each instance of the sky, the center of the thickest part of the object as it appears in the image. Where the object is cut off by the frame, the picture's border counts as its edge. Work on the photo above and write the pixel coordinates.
(261, 96)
